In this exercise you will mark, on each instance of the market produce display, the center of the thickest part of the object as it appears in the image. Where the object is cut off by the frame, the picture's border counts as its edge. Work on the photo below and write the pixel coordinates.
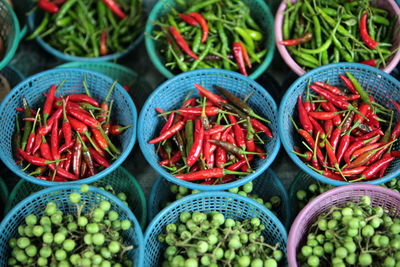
(77, 121)
(105, 27)
(356, 234)
(346, 134)
(212, 139)
(210, 34)
(245, 190)
(321, 32)
(89, 235)
(214, 240)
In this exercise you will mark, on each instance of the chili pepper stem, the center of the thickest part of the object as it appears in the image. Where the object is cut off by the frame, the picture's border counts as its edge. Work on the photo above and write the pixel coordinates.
(85, 86)
(294, 123)
(26, 167)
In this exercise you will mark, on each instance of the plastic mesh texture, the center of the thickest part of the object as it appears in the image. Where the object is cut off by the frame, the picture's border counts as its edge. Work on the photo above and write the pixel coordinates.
(34, 21)
(388, 199)
(36, 203)
(170, 95)
(124, 112)
(3, 196)
(259, 11)
(9, 30)
(265, 186)
(120, 179)
(140, 89)
(388, 5)
(377, 83)
(231, 205)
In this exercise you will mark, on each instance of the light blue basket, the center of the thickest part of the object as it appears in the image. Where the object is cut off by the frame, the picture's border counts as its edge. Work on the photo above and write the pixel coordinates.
(265, 186)
(231, 205)
(51, 50)
(12, 75)
(170, 95)
(378, 84)
(33, 87)
(36, 203)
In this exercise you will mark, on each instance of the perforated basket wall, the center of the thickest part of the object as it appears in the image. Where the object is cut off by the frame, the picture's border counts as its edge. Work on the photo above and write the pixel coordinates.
(231, 205)
(379, 84)
(124, 112)
(259, 11)
(36, 203)
(34, 19)
(170, 96)
(140, 89)
(388, 5)
(265, 186)
(3, 196)
(12, 75)
(10, 33)
(120, 179)
(383, 197)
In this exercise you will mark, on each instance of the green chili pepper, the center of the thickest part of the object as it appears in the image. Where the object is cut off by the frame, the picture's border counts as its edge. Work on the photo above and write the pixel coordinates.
(181, 64)
(189, 135)
(255, 35)
(306, 57)
(201, 5)
(363, 94)
(42, 26)
(203, 54)
(64, 22)
(251, 23)
(64, 9)
(305, 63)
(317, 25)
(246, 37)
(320, 49)
(28, 124)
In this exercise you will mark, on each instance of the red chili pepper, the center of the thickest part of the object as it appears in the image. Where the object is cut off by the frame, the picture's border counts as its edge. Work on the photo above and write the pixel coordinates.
(369, 42)
(395, 153)
(377, 155)
(66, 127)
(197, 146)
(182, 42)
(238, 132)
(365, 157)
(322, 115)
(65, 174)
(68, 162)
(353, 171)
(348, 83)
(210, 173)
(48, 6)
(382, 171)
(114, 7)
(307, 156)
(176, 157)
(334, 140)
(246, 56)
(35, 160)
(343, 145)
(327, 106)
(373, 120)
(333, 89)
(168, 123)
(45, 129)
(300, 40)
(48, 104)
(32, 137)
(373, 169)
(83, 117)
(310, 141)
(368, 135)
(77, 158)
(210, 111)
(258, 126)
(118, 129)
(237, 48)
(335, 100)
(54, 144)
(103, 43)
(396, 130)
(83, 98)
(188, 19)
(366, 148)
(260, 150)
(226, 179)
(357, 145)
(328, 127)
(211, 161)
(216, 99)
(203, 24)
(169, 133)
(328, 174)
(52, 179)
(303, 116)
(370, 62)
(38, 142)
(98, 158)
(220, 157)
(83, 169)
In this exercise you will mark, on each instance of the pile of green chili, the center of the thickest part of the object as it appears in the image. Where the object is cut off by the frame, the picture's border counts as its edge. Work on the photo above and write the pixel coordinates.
(209, 34)
(320, 32)
(89, 28)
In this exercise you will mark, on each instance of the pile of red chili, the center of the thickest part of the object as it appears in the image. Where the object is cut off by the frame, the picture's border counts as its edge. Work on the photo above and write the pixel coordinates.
(68, 138)
(213, 139)
(346, 134)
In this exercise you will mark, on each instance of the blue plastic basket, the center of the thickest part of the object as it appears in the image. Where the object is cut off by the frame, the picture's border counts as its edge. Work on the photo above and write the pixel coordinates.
(32, 23)
(3, 196)
(265, 186)
(170, 95)
(13, 75)
(378, 83)
(32, 88)
(36, 203)
(120, 179)
(231, 205)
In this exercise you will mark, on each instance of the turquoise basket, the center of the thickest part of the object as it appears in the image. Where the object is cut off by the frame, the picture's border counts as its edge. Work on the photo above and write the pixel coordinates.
(120, 179)
(259, 10)
(377, 83)
(36, 203)
(231, 205)
(265, 186)
(3, 196)
(32, 88)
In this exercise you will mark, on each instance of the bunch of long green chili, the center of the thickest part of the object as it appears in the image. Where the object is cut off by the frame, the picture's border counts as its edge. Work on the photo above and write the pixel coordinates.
(90, 28)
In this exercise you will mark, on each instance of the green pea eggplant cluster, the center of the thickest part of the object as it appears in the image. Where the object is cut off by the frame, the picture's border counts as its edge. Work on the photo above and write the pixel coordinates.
(357, 234)
(210, 34)
(321, 32)
(85, 237)
(201, 239)
(89, 28)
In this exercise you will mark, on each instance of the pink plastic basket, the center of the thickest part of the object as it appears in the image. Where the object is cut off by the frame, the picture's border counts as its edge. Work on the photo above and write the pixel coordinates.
(387, 199)
(389, 5)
